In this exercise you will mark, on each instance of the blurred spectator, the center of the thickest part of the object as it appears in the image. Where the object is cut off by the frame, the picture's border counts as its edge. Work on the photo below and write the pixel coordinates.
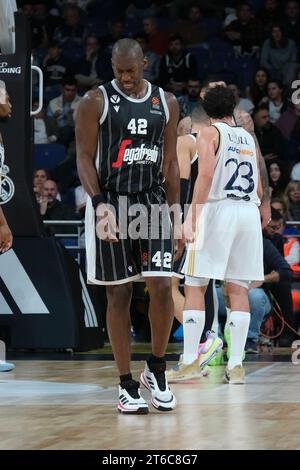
(42, 18)
(279, 56)
(52, 209)
(242, 103)
(140, 9)
(40, 176)
(295, 173)
(278, 277)
(277, 178)
(116, 32)
(270, 14)
(258, 88)
(192, 30)
(151, 72)
(292, 200)
(80, 200)
(281, 287)
(269, 137)
(280, 206)
(244, 33)
(95, 68)
(63, 108)
(291, 22)
(46, 130)
(275, 100)
(38, 31)
(158, 40)
(290, 245)
(176, 66)
(289, 125)
(55, 68)
(71, 34)
(190, 100)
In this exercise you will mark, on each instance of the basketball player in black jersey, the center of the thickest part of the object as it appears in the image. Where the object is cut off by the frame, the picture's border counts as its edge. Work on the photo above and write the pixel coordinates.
(5, 233)
(126, 148)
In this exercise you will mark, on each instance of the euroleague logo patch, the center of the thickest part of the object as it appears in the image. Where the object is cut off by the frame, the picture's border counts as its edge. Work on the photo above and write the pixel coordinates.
(155, 102)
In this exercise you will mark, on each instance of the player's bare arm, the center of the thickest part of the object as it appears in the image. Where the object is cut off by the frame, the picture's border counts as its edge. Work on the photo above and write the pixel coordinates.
(170, 162)
(207, 143)
(185, 152)
(5, 234)
(87, 128)
(171, 167)
(86, 131)
(244, 119)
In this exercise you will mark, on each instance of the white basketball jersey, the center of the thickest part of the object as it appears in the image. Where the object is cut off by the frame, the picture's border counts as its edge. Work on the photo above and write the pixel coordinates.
(236, 173)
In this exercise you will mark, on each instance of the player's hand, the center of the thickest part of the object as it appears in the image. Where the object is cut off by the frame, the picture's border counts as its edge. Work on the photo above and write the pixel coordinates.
(255, 284)
(265, 213)
(178, 248)
(106, 224)
(189, 230)
(5, 238)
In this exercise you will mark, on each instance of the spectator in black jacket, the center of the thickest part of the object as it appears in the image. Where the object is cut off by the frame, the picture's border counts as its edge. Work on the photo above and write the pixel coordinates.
(278, 274)
(269, 137)
(278, 279)
(176, 67)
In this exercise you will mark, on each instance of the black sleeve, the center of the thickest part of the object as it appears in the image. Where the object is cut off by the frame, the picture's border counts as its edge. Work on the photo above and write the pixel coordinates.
(274, 261)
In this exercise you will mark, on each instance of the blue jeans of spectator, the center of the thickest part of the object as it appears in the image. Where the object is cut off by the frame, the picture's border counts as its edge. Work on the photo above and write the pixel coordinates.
(260, 306)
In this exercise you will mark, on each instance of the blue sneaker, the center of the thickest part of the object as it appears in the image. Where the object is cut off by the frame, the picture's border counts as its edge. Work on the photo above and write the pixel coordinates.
(6, 366)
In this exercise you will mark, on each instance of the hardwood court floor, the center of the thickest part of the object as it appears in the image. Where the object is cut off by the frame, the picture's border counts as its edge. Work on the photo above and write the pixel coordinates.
(72, 405)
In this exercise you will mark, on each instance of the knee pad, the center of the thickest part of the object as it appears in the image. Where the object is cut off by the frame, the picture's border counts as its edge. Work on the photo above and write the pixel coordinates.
(196, 281)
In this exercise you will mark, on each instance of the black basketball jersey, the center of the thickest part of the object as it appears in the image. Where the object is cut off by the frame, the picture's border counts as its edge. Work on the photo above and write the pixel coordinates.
(130, 148)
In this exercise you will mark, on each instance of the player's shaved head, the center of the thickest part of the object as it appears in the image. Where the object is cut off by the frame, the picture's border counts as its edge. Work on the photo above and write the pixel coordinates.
(127, 48)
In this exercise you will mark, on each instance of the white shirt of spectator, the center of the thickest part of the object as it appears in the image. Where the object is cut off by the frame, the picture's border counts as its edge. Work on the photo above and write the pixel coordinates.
(295, 174)
(40, 134)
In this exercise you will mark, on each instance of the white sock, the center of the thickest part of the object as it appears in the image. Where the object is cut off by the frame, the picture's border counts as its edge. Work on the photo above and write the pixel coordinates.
(215, 325)
(193, 326)
(239, 326)
(228, 312)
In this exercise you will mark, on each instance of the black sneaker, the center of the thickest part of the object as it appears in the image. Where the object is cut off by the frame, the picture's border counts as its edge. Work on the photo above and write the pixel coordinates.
(130, 400)
(251, 347)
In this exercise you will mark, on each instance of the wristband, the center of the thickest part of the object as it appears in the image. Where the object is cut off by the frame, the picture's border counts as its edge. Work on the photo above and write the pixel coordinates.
(98, 199)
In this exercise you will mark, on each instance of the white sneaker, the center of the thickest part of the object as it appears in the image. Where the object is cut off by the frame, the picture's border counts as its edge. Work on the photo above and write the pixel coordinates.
(157, 383)
(130, 400)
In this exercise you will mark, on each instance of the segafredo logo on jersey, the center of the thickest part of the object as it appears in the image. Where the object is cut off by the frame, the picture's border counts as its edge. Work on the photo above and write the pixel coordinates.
(132, 155)
(5, 69)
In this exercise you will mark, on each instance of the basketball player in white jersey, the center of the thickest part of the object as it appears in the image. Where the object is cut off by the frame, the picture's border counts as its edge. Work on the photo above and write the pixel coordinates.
(223, 227)
(5, 233)
(195, 356)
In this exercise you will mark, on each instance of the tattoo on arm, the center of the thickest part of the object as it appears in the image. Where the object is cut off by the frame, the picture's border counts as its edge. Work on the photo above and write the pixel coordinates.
(264, 179)
(244, 119)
